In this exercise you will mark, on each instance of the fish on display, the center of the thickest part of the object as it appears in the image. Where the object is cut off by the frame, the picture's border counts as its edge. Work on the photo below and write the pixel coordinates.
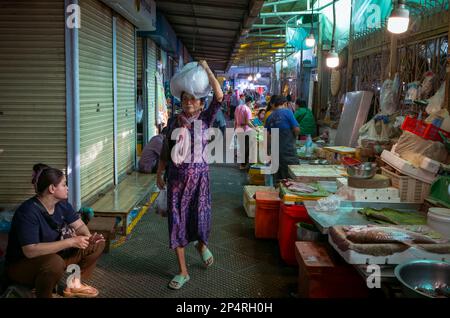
(384, 234)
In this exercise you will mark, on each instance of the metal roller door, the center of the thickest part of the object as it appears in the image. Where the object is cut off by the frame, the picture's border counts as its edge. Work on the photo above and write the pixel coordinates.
(96, 98)
(126, 119)
(32, 93)
(151, 87)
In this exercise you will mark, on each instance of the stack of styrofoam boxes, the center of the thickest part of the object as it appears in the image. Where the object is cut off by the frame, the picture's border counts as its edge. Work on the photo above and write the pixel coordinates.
(389, 194)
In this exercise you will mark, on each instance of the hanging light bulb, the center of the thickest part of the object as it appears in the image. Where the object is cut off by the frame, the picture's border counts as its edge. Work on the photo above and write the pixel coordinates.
(250, 78)
(258, 75)
(399, 20)
(310, 40)
(285, 63)
(332, 58)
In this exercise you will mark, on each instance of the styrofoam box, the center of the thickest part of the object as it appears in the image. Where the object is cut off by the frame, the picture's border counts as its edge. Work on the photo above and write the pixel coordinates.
(249, 201)
(406, 168)
(389, 194)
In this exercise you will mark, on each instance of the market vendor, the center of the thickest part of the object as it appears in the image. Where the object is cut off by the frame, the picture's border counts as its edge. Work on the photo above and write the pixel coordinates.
(305, 119)
(283, 119)
(188, 186)
(47, 235)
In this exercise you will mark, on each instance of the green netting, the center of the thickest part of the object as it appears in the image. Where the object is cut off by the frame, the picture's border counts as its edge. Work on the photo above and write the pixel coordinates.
(296, 37)
(368, 15)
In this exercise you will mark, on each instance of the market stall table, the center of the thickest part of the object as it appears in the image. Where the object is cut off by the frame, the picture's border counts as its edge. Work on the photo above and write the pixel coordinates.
(347, 213)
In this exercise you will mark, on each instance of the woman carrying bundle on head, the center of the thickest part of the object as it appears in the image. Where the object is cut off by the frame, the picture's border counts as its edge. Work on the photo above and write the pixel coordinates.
(188, 193)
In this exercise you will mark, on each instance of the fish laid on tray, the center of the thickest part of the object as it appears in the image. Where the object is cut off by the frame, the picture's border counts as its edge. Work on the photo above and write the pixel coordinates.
(384, 234)
(299, 187)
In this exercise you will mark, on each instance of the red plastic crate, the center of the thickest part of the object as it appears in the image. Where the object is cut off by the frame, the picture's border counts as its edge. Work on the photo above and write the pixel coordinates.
(421, 129)
(266, 214)
(289, 216)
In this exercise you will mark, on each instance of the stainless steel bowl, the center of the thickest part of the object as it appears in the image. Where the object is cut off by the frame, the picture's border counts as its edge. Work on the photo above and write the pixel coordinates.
(424, 278)
(365, 170)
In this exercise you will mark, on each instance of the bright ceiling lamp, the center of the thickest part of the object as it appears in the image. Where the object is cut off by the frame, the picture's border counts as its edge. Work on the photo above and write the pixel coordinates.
(258, 75)
(332, 56)
(285, 63)
(398, 22)
(250, 78)
(310, 40)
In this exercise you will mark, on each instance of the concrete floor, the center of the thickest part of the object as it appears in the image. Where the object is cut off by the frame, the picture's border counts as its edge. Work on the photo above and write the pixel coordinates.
(243, 267)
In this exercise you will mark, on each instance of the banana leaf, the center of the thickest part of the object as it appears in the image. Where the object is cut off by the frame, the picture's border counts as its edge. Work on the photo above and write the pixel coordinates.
(391, 216)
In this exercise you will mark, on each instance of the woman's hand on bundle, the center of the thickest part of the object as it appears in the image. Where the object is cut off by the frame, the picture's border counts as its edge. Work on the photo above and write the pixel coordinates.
(160, 182)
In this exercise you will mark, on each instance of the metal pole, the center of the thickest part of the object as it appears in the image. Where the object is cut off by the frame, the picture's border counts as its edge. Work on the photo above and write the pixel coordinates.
(73, 111)
(447, 90)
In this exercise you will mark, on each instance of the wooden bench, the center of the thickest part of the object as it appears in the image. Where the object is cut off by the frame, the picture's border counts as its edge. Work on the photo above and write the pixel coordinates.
(121, 200)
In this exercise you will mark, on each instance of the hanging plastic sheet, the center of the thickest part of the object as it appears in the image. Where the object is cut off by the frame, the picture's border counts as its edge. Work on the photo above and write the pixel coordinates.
(343, 13)
(296, 37)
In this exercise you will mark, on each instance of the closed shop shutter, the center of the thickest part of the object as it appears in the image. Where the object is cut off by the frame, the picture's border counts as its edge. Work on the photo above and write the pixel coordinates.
(139, 57)
(126, 125)
(32, 93)
(96, 98)
(151, 87)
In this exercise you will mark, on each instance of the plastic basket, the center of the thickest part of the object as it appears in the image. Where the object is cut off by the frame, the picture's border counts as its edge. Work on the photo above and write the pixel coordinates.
(410, 189)
(426, 131)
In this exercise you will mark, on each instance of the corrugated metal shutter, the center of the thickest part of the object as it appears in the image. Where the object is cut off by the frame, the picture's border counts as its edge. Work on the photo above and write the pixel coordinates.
(96, 98)
(139, 57)
(32, 93)
(151, 87)
(126, 125)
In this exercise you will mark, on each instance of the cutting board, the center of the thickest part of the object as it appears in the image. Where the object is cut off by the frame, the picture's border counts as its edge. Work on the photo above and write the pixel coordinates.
(377, 182)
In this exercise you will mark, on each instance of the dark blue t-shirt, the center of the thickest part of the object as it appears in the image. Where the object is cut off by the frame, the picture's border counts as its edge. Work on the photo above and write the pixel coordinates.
(29, 226)
(281, 119)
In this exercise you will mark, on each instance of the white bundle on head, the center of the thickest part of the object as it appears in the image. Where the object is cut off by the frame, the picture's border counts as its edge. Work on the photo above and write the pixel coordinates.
(192, 79)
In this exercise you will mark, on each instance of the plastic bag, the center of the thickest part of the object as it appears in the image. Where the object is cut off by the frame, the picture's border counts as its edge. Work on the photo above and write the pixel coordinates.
(388, 96)
(436, 102)
(161, 203)
(192, 79)
(330, 203)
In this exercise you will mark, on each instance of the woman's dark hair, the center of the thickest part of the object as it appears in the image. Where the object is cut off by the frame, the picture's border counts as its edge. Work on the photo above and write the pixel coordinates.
(44, 176)
(279, 100)
(261, 110)
(271, 102)
(300, 102)
(248, 99)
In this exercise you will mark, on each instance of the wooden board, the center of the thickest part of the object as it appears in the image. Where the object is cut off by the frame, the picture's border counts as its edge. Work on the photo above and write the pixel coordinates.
(377, 182)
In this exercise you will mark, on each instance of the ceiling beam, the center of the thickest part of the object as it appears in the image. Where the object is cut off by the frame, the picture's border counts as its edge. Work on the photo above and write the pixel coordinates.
(169, 14)
(205, 37)
(274, 3)
(206, 4)
(250, 17)
(283, 13)
(207, 27)
(207, 43)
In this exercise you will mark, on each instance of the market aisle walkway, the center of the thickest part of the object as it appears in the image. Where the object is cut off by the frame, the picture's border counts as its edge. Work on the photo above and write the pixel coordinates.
(244, 266)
